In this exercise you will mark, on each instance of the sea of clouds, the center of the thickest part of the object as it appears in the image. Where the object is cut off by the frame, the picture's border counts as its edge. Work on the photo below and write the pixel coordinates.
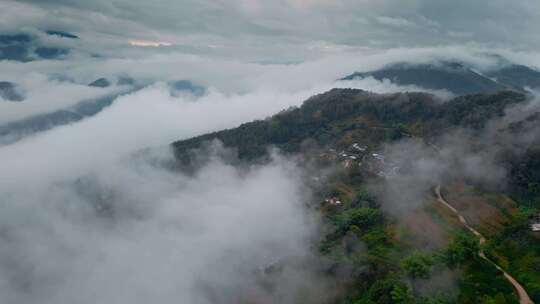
(86, 218)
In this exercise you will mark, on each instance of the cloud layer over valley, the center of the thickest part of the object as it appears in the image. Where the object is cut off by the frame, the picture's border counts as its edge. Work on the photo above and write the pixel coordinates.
(132, 232)
(84, 218)
(91, 209)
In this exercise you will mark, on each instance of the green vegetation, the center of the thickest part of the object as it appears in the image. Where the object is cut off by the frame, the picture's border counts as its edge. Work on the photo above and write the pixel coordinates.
(517, 249)
(329, 117)
(463, 247)
(361, 219)
(525, 178)
(418, 265)
(483, 283)
(360, 237)
(389, 271)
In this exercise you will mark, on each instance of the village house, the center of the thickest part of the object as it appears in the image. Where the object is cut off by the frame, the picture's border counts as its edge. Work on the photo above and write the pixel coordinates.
(378, 157)
(535, 226)
(357, 146)
(333, 201)
(347, 163)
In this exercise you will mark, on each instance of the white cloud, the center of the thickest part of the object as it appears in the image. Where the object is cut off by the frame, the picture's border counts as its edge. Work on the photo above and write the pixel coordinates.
(133, 233)
(224, 76)
(394, 22)
(105, 226)
(83, 220)
(44, 96)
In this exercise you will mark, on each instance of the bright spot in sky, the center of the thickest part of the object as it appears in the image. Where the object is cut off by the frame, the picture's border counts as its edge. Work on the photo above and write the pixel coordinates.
(136, 42)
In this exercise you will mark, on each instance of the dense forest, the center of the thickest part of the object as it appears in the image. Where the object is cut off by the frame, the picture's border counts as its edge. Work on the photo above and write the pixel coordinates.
(321, 116)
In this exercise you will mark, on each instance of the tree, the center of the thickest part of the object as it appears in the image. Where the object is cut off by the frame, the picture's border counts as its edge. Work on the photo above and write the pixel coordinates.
(418, 264)
(462, 247)
(363, 218)
(402, 294)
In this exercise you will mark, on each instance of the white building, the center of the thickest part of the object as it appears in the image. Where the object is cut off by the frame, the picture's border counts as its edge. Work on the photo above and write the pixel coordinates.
(333, 201)
(358, 147)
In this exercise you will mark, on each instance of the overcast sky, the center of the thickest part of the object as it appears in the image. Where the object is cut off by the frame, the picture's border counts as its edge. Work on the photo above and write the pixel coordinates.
(281, 26)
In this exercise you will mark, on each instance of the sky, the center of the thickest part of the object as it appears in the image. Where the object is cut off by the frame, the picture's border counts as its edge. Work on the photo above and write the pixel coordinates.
(275, 29)
(89, 211)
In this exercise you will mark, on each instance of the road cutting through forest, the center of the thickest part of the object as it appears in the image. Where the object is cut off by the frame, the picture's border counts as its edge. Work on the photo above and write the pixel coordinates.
(522, 293)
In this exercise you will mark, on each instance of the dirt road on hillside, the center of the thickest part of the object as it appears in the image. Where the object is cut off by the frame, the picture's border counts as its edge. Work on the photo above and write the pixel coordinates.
(522, 293)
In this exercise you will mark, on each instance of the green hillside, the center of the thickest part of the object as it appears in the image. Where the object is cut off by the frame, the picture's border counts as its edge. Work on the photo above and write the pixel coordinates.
(413, 257)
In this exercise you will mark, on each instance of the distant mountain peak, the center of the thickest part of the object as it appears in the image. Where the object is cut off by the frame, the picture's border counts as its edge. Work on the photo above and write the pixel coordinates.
(16, 38)
(24, 47)
(9, 91)
(188, 86)
(61, 34)
(456, 77)
(100, 83)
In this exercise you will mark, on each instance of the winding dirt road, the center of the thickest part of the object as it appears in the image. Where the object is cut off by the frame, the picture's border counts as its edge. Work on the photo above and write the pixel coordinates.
(522, 293)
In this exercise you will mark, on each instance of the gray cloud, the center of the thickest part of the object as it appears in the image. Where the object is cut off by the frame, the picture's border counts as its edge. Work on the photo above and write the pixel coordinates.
(136, 232)
(303, 26)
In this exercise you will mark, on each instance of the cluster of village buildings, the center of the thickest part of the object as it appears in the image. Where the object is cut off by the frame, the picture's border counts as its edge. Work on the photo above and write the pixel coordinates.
(377, 163)
(360, 155)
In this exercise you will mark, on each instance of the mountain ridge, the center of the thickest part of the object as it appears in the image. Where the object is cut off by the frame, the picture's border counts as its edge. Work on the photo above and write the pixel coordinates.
(456, 77)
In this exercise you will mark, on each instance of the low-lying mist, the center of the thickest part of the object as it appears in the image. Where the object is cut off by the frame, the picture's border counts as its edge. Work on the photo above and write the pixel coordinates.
(85, 217)
(480, 157)
(88, 215)
(135, 232)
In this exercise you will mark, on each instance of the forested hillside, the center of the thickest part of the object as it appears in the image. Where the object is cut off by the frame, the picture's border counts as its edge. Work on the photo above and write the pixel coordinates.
(325, 117)
(390, 255)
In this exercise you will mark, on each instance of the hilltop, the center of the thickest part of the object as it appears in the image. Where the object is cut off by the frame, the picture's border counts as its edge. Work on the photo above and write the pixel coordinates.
(361, 116)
